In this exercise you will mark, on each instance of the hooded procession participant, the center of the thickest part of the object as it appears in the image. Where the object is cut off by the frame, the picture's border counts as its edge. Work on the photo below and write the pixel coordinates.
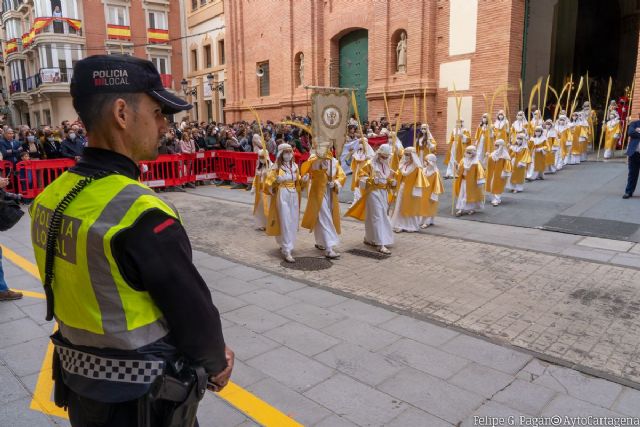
(563, 131)
(611, 134)
(377, 180)
(410, 205)
(520, 125)
(284, 183)
(459, 139)
(359, 158)
(396, 149)
(261, 198)
(426, 142)
(482, 138)
(469, 184)
(501, 127)
(536, 121)
(520, 159)
(591, 117)
(498, 171)
(538, 146)
(553, 147)
(322, 214)
(436, 187)
(576, 139)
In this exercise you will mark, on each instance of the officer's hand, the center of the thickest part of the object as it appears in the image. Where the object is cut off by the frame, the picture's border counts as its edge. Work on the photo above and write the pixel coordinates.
(218, 382)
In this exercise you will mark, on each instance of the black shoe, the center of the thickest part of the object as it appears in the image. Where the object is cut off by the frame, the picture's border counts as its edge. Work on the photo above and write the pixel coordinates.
(626, 196)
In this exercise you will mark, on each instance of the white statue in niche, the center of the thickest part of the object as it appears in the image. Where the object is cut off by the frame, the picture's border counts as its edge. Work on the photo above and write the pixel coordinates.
(401, 53)
(301, 69)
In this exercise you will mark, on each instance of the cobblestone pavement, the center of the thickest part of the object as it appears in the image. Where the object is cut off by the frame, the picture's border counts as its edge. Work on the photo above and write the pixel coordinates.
(582, 314)
(327, 360)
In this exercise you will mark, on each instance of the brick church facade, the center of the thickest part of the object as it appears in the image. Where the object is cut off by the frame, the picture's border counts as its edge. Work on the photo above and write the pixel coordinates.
(476, 45)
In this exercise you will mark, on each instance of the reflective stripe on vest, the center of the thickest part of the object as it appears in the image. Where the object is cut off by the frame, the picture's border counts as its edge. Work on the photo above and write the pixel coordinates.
(94, 305)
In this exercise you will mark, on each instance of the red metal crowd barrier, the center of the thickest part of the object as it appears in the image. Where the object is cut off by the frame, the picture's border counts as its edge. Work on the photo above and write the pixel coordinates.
(34, 175)
(165, 171)
(168, 170)
(7, 171)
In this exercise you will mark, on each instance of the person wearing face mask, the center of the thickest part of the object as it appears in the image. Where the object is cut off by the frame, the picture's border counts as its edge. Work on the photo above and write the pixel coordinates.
(50, 145)
(72, 146)
(538, 146)
(585, 135)
(520, 125)
(498, 172)
(469, 184)
(501, 126)
(536, 121)
(562, 129)
(612, 134)
(410, 207)
(360, 157)
(433, 191)
(322, 214)
(426, 142)
(376, 180)
(520, 159)
(32, 146)
(553, 147)
(261, 197)
(574, 139)
(591, 117)
(482, 138)
(458, 141)
(285, 185)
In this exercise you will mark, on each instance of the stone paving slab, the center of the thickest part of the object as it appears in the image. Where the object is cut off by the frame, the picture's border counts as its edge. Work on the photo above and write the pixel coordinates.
(559, 307)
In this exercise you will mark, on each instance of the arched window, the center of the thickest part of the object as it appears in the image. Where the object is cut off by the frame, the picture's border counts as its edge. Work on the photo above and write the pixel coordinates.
(298, 70)
(398, 52)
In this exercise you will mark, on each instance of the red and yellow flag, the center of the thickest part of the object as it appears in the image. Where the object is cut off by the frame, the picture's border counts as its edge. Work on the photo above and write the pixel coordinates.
(157, 36)
(118, 32)
(40, 23)
(12, 46)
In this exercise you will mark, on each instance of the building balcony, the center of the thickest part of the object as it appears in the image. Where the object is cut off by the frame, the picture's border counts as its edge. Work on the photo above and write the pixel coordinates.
(49, 80)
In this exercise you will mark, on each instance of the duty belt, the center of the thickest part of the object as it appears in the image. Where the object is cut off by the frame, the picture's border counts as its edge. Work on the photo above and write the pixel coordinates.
(94, 367)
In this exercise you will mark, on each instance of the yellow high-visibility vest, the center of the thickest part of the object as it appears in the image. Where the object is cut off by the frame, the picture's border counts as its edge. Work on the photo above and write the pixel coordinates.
(93, 303)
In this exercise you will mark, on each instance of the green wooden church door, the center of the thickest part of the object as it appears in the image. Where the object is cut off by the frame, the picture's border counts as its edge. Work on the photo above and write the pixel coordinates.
(354, 60)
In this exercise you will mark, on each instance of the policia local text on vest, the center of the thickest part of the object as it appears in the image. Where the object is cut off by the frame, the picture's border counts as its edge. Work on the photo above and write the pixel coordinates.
(139, 339)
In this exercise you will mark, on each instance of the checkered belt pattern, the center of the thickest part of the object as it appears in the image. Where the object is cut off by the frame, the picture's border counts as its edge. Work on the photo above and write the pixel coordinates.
(102, 368)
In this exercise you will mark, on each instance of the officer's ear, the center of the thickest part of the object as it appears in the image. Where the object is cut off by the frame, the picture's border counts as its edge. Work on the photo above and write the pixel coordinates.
(119, 112)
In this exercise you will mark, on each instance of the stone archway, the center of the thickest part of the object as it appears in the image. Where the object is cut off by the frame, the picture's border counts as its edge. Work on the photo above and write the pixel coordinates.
(354, 61)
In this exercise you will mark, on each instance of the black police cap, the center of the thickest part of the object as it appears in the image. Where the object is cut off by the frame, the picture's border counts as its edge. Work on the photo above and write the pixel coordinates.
(122, 74)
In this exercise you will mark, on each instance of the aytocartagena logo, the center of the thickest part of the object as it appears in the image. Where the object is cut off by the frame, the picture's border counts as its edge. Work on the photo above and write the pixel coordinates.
(110, 78)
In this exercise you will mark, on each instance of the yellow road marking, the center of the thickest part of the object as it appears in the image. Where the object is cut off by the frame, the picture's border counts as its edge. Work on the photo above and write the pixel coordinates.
(247, 403)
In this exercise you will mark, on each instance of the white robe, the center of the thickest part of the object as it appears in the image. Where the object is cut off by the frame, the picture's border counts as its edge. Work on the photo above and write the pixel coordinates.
(288, 212)
(324, 231)
(377, 226)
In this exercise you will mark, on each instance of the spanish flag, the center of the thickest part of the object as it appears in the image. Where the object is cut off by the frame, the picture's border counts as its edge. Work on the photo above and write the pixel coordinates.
(27, 38)
(118, 32)
(76, 24)
(12, 46)
(157, 36)
(40, 23)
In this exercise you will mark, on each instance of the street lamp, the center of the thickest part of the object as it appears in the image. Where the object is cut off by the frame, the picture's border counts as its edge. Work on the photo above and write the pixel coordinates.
(188, 90)
(214, 85)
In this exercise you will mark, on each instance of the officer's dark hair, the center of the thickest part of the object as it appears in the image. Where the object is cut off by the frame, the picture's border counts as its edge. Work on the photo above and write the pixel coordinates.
(92, 109)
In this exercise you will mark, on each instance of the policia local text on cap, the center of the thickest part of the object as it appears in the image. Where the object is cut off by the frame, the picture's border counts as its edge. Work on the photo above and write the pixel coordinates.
(139, 338)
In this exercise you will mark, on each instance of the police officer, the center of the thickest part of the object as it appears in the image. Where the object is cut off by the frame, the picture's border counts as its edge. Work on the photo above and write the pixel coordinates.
(633, 157)
(139, 338)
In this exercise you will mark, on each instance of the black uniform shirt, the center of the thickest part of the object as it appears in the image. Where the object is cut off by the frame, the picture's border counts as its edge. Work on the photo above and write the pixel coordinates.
(154, 255)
